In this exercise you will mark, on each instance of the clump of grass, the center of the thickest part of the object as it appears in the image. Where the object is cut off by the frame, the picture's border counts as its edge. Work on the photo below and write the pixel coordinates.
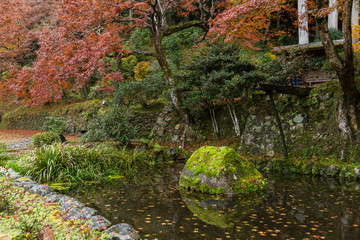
(46, 138)
(58, 163)
(4, 155)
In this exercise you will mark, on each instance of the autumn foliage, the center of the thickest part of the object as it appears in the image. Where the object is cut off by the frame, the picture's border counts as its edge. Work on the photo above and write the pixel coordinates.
(51, 51)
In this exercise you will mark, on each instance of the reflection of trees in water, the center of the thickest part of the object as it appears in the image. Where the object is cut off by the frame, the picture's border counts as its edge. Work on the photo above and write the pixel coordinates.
(291, 208)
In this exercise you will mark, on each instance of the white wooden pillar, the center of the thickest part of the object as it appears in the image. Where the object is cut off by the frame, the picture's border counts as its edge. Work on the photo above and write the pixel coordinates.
(333, 16)
(303, 22)
(355, 16)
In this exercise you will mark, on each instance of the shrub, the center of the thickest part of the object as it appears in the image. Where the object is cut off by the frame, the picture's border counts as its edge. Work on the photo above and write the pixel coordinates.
(144, 92)
(114, 124)
(55, 124)
(46, 138)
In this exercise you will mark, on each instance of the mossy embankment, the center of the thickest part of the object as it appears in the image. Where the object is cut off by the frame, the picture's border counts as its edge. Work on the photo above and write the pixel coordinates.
(77, 115)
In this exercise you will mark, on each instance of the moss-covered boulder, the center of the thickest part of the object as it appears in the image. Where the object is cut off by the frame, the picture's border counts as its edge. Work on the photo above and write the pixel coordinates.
(220, 170)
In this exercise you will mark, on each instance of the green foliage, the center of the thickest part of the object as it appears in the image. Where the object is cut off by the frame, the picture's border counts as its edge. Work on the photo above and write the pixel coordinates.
(153, 146)
(285, 67)
(113, 124)
(179, 43)
(127, 66)
(217, 72)
(58, 163)
(335, 34)
(55, 124)
(46, 138)
(144, 92)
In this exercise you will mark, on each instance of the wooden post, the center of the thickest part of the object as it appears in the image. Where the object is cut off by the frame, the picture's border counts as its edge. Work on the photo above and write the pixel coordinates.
(278, 120)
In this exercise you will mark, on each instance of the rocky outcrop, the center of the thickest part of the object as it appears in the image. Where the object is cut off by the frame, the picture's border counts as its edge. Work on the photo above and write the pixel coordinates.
(220, 170)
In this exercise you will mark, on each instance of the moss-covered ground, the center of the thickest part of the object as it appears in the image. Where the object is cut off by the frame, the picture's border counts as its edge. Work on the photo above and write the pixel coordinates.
(27, 216)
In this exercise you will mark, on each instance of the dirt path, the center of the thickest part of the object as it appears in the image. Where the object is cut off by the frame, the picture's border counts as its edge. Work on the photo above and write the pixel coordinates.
(10, 136)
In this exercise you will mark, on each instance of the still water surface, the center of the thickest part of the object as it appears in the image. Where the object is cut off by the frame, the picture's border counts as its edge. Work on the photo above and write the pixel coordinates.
(298, 207)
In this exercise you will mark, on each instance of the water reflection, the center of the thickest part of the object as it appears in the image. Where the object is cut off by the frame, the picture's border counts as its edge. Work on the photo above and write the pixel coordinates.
(221, 211)
(300, 207)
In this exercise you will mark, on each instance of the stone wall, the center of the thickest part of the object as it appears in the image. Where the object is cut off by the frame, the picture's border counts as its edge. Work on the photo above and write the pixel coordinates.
(309, 123)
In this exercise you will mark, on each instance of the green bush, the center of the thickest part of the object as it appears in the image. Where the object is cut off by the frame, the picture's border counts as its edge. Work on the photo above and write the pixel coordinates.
(144, 92)
(46, 138)
(55, 124)
(114, 124)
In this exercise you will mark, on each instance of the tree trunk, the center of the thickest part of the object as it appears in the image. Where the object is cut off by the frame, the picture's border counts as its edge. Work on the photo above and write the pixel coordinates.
(234, 119)
(214, 122)
(162, 60)
(344, 67)
(174, 94)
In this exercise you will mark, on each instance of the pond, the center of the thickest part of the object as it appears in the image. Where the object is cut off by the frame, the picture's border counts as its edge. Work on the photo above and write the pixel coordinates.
(297, 207)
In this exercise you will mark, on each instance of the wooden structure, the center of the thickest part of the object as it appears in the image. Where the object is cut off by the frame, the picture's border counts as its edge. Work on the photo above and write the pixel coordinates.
(317, 77)
(315, 49)
(292, 90)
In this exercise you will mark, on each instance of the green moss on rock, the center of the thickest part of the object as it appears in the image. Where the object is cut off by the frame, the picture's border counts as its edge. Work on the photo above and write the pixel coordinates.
(220, 170)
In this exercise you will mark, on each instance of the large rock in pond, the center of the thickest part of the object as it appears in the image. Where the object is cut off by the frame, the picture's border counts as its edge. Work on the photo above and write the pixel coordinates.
(220, 170)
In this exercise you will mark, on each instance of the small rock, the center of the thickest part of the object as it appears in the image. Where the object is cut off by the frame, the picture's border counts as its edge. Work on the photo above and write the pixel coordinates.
(160, 121)
(77, 213)
(331, 170)
(66, 204)
(122, 231)
(3, 171)
(160, 131)
(12, 174)
(41, 190)
(175, 138)
(357, 172)
(298, 119)
(73, 214)
(56, 197)
(270, 153)
(23, 181)
(87, 213)
(99, 223)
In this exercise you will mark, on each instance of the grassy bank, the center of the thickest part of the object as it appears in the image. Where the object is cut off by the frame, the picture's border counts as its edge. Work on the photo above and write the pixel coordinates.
(27, 216)
(77, 164)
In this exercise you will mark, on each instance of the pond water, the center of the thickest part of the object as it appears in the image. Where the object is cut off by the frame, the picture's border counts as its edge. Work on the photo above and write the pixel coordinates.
(297, 207)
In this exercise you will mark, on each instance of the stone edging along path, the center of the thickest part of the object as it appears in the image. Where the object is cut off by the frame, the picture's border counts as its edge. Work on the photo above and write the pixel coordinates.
(73, 209)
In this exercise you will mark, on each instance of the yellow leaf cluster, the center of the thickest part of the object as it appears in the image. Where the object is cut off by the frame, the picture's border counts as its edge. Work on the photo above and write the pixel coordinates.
(141, 70)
